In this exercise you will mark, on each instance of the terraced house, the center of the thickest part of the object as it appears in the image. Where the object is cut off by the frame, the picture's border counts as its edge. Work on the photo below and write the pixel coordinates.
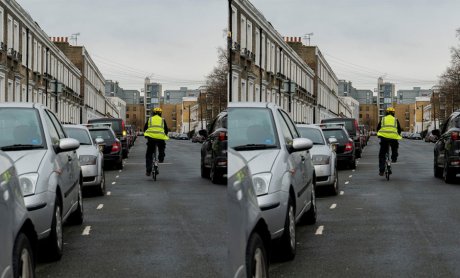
(266, 68)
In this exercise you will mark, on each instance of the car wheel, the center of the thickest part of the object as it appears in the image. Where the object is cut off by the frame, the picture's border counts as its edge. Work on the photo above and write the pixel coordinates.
(335, 185)
(256, 257)
(76, 217)
(55, 240)
(448, 174)
(288, 239)
(23, 257)
(101, 187)
(310, 216)
(358, 154)
(214, 175)
(204, 170)
(437, 170)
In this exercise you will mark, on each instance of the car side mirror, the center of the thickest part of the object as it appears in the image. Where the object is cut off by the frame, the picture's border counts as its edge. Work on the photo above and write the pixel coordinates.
(300, 144)
(67, 144)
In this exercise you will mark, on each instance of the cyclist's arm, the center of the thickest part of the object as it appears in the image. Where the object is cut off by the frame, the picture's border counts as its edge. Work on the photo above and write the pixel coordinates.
(165, 127)
(379, 125)
(399, 127)
(146, 125)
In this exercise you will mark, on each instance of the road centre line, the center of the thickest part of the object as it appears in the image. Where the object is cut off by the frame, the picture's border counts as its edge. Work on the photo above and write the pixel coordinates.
(319, 231)
(100, 206)
(86, 231)
(119, 171)
(333, 206)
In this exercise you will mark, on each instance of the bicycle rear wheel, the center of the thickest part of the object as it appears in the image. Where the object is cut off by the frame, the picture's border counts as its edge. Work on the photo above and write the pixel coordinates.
(387, 173)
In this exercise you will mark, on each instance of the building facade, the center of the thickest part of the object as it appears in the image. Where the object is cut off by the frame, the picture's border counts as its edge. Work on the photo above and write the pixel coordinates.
(175, 96)
(408, 96)
(152, 96)
(135, 115)
(119, 106)
(368, 115)
(385, 95)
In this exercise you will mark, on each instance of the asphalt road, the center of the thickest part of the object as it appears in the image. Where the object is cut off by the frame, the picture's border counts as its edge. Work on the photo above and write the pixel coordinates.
(174, 227)
(405, 227)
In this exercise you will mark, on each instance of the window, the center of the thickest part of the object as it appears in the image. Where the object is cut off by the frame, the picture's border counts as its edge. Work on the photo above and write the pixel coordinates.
(257, 49)
(262, 63)
(16, 35)
(1, 24)
(10, 90)
(2, 88)
(234, 24)
(251, 91)
(243, 28)
(249, 36)
(243, 91)
(30, 51)
(268, 55)
(9, 32)
(24, 46)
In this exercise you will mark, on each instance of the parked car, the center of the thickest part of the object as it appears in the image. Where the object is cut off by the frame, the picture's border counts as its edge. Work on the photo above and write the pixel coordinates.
(198, 138)
(430, 137)
(112, 150)
(249, 237)
(90, 156)
(415, 136)
(346, 155)
(182, 136)
(214, 150)
(48, 168)
(18, 238)
(282, 169)
(323, 156)
(118, 126)
(351, 125)
(447, 148)
(363, 135)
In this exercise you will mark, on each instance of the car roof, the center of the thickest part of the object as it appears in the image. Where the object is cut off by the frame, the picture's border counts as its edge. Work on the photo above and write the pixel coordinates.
(75, 126)
(312, 126)
(253, 104)
(22, 105)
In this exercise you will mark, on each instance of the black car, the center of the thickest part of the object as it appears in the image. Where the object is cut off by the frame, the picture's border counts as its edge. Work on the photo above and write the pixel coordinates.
(118, 126)
(214, 150)
(345, 149)
(113, 151)
(447, 148)
(351, 125)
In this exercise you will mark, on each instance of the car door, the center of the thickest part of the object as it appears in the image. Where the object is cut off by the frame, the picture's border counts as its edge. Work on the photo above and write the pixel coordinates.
(68, 164)
(440, 146)
(295, 162)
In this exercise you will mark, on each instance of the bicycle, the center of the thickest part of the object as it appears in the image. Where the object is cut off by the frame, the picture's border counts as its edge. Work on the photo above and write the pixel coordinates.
(155, 163)
(387, 165)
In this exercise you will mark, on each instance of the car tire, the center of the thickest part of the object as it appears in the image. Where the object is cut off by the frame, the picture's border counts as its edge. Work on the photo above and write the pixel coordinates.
(55, 244)
(101, 186)
(448, 175)
(204, 171)
(358, 154)
(335, 185)
(288, 239)
(310, 216)
(214, 175)
(76, 217)
(256, 257)
(23, 257)
(437, 170)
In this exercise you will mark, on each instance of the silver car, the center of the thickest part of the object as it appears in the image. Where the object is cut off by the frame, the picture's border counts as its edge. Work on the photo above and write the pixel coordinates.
(323, 156)
(90, 156)
(48, 169)
(17, 233)
(283, 173)
(249, 238)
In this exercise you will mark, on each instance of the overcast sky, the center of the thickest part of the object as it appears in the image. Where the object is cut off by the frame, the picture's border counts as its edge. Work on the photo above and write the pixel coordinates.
(175, 41)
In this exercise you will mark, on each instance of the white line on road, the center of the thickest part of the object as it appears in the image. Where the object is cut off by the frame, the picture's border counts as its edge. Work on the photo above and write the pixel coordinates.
(117, 176)
(319, 231)
(341, 192)
(109, 193)
(119, 171)
(352, 170)
(350, 176)
(333, 206)
(347, 182)
(114, 182)
(100, 206)
(86, 231)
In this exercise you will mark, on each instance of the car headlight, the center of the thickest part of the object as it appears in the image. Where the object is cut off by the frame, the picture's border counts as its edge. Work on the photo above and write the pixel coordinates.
(28, 182)
(320, 159)
(261, 183)
(87, 160)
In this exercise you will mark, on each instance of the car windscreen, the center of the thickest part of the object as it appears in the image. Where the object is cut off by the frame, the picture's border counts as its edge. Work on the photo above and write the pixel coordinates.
(338, 134)
(79, 134)
(251, 128)
(20, 129)
(105, 134)
(313, 134)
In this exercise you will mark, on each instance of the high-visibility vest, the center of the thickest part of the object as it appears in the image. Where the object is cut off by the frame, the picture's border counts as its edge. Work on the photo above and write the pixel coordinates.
(389, 128)
(156, 128)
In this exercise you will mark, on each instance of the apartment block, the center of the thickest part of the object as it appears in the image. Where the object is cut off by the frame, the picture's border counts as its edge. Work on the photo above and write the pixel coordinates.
(175, 96)
(152, 96)
(408, 96)
(135, 115)
(385, 95)
(368, 115)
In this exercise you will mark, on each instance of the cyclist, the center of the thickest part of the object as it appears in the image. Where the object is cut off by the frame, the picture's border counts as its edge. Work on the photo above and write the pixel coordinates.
(155, 130)
(389, 132)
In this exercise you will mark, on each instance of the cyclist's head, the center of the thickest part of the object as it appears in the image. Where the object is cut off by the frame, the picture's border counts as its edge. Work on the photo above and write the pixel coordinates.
(390, 111)
(157, 111)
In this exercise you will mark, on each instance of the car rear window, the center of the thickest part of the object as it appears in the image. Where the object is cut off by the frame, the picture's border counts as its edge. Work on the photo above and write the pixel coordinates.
(313, 134)
(79, 134)
(101, 133)
(349, 124)
(116, 124)
(338, 134)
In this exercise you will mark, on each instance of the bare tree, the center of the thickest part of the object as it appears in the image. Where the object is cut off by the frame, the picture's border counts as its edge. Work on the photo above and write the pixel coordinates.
(450, 79)
(216, 83)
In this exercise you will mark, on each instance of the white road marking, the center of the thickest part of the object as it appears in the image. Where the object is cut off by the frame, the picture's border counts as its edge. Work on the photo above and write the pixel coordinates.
(347, 182)
(119, 171)
(86, 231)
(350, 176)
(109, 193)
(319, 231)
(352, 170)
(341, 192)
(333, 206)
(359, 208)
(100, 206)
(117, 176)
(114, 182)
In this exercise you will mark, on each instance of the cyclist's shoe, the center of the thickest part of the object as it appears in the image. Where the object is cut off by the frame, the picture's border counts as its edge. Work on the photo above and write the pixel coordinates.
(380, 173)
(393, 161)
(147, 173)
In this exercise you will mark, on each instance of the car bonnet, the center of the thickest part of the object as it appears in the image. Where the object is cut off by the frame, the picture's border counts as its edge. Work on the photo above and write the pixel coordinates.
(260, 161)
(27, 161)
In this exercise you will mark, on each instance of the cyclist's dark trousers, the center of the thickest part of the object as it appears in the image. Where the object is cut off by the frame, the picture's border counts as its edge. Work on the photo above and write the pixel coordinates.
(151, 143)
(385, 143)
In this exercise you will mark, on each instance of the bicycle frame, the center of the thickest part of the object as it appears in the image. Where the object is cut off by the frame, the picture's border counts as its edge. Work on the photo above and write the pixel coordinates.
(155, 164)
(388, 164)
